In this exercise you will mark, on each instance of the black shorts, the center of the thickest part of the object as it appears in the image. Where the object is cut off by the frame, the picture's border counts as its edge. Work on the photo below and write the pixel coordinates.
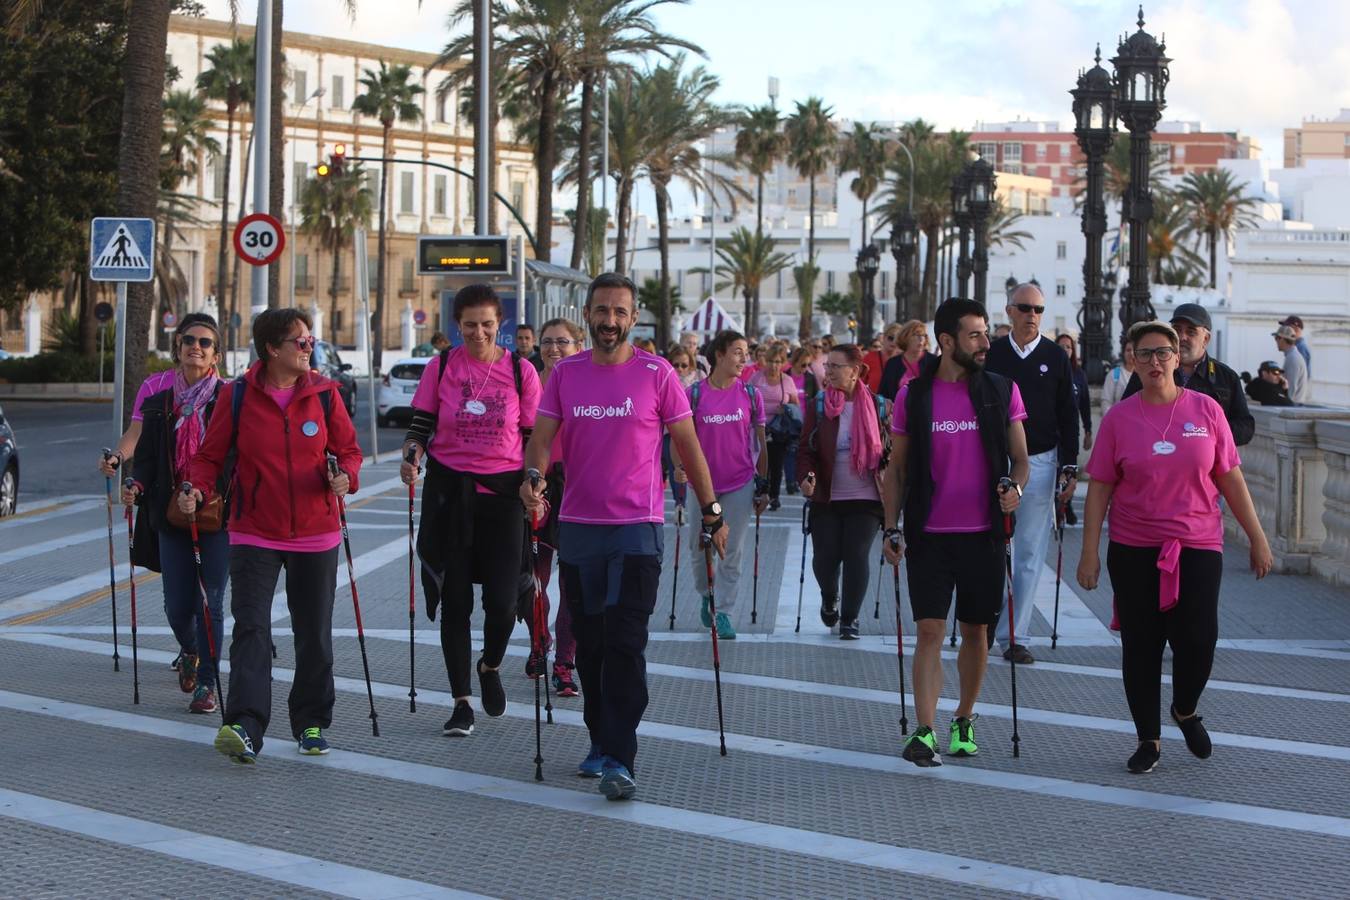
(970, 563)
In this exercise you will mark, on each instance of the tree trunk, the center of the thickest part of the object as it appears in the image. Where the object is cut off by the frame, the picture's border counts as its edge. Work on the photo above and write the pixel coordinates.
(377, 322)
(927, 304)
(276, 149)
(759, 233)
(1213, 257)
(663, 243)
(167, 300)
(543, 164)
(225, 206)
(811, 224)
(138, 164)
(88, 324)
(584, 139)
(625, 201)
(238, 264)
(333, 292)
(864, 224)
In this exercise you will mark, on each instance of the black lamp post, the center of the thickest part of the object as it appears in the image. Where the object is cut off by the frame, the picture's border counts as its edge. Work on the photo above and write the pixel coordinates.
(1009, 286)
(961, 215)
(980, 182)
(869, 262)
(1095, 128)
(1141, 85)
(904, 244)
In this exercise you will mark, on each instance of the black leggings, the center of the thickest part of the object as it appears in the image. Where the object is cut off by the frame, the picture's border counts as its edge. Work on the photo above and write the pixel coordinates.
(1191, 628)
(842, 535)
(777, 454)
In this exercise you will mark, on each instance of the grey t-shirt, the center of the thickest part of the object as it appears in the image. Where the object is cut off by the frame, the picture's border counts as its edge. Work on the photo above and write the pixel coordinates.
(1296, 373)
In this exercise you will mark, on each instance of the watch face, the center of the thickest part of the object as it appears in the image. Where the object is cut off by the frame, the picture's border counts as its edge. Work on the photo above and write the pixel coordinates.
(714, 508)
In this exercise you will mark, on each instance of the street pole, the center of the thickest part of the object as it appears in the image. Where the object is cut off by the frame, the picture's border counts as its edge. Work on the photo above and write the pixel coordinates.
(604, 153)
(262, 137)
(295, 193)
(1094, 116)
(482, 44)
(361, 272)
(120, 355)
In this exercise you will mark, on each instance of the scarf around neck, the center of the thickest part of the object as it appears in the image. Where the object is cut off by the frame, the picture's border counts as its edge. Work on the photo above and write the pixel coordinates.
(189, 403)
(865, 433)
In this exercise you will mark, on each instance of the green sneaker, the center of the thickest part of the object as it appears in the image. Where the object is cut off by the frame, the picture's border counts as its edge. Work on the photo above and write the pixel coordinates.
(725, 630)
(233, 742)
(921, 749)
(705, 612)
(963, 737)
(312, 742)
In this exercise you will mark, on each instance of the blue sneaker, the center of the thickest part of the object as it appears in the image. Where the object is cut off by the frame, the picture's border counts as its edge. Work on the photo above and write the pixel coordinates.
(594, 763)
(705, 612)
(616, 782)
(312, 742)
(232, 741)
(725, 630)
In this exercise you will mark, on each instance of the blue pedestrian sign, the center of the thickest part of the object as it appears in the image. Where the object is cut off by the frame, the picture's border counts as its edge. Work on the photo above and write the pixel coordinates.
(122, 249)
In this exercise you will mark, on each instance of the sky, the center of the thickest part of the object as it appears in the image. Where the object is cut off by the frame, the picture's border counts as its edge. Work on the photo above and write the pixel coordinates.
(1254, 66)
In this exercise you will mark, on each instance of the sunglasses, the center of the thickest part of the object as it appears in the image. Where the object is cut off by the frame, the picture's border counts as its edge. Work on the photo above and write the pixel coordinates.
(1028, 308)
(557, 342)
(191, 340)
(303, 343)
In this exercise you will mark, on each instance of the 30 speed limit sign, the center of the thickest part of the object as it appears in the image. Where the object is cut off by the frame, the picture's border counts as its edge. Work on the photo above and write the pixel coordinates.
(258, 239)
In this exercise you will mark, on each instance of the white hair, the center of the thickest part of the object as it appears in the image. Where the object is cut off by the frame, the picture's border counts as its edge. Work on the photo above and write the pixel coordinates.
(1025, 286)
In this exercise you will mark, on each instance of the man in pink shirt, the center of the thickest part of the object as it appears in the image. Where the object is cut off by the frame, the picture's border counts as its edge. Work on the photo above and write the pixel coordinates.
(956, 432)
(615, 400)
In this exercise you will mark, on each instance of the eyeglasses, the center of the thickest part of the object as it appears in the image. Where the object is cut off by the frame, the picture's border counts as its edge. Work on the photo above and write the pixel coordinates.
(557, 342)
(191, 340)
(303, 343)
(889, 338)
(832, 366)
(1028, 308)
(1161, 354)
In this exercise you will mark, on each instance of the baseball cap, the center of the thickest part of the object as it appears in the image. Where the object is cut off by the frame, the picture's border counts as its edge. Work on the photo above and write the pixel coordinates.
(1292, 321)
(1284, 331)
(1193, 313)
(1271, 365)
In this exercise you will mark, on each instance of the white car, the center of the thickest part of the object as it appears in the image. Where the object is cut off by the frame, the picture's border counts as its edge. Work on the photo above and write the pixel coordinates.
(397, 387)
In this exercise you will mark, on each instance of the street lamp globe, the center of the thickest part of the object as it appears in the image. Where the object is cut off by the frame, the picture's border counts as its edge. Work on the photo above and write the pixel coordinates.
(1094, 110)
(979, 177)
(1141, 79)
(960, 192)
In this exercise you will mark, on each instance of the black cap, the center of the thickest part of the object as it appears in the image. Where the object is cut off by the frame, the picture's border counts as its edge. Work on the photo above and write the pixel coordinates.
(1292, 321)
(1193, 313)
(1270, 366)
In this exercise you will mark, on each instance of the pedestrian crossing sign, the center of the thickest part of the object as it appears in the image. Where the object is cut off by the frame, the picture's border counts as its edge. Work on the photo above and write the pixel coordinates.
(122, 249)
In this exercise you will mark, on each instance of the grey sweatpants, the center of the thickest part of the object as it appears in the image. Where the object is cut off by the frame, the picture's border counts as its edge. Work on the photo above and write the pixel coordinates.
(738, 509)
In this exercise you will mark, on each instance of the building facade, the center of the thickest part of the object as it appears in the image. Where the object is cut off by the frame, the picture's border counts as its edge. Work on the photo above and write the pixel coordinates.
(1318, 139)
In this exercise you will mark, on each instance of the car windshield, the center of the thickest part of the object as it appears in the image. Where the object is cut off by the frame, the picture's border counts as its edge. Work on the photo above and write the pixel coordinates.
(407, 371)
(317, 359)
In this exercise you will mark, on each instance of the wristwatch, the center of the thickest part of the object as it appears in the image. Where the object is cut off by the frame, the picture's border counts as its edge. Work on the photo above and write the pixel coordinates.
(1017, 487)
(713, 509)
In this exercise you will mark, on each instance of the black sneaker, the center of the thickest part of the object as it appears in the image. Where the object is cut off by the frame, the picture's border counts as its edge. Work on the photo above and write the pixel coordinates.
(829, 612)
(1019, 654)
(1144, 759)
(494, 695)
(1197, 738)
(460, 723)
(848, 631)
(921, 749)
(775, 505)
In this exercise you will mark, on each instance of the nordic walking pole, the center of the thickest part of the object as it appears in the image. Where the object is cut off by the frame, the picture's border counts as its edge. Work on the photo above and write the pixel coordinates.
(754, 593)
(206, 606)
(806, 530)
(131, 576)
(541, 618)
(112, 570)
(900, 642)
(1065, 474)
(706, 540)
(680, 493)
(356, 603)
(1005, 484)
(953, 625)
(881, 570)
(412, 643)
(537, 643)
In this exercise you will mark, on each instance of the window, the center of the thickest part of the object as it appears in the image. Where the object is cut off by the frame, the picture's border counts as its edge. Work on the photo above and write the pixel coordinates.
(1061, 250)
(1061, 289)
(438, 194)
(14, 318)
(792, 196)
(518, 194)
(337, 98)
(373, 187)
(988, 150)
(1012, 153)
(405, 192)
(1162, 153)
(218, 178)
(299, 175)
(1040, 151)
(407, 283)
(373, 278)
(444, 97)
(302, 279)
(299, 86)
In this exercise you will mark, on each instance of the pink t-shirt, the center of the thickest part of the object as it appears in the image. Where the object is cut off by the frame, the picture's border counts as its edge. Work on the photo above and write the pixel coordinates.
(846, 484)
(774, 394)
(725, 426)
(1161, 496)
(611, 435)
(478, 415)
(748, 372)
(281, 396)
(962, 479)
(799, 380)
(152, 385)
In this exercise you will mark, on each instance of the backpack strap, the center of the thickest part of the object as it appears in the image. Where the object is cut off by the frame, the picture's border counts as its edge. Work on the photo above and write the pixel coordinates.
(694, 393)
(445, 356)
(236, 405)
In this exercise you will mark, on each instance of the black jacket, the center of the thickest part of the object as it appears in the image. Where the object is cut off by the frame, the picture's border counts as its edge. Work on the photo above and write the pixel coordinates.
(895, 370)
(153, 459)
(1268, 394)
(1213, 379)
(1045, 380)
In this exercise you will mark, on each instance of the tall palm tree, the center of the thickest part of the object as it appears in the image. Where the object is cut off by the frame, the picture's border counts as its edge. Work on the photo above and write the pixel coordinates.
(1002, 228)
(747, 259)
(680, 116)
(330, 209)
(186, 136)
(1171, 260)
(863, 150)
(628, 141)
(760, 144)
(228, 77)
(1214, 203)
(812, 144)
(390, 96)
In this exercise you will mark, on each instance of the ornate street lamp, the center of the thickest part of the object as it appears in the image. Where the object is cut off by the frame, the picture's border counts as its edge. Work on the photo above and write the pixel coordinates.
(961, 215)
(980, 184)
(904, 244)
(869, 262)
(1009, 286)
(1141, 86)
(1095, 128)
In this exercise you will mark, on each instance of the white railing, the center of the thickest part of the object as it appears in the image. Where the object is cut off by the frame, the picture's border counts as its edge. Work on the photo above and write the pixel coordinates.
(1280, 236)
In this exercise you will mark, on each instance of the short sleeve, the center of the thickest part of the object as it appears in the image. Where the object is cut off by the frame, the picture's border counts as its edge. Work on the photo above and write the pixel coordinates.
(530, 391)
(1102, 464)
(899, 411)
(671, 402)
(757, 408)
(153, 384)
(424, 398)
(550, 403)
(1225, 450)
(1017, 410)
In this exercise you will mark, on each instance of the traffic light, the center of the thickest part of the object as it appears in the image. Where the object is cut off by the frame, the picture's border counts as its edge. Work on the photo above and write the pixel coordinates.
(322, 170)
(338, 160)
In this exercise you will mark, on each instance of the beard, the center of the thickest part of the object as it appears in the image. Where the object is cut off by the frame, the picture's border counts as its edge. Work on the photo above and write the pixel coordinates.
(608, 338)
(967, 361)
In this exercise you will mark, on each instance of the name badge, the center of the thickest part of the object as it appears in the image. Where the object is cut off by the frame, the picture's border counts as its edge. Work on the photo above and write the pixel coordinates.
(475, 407)
(1164, 448)
(310, 428)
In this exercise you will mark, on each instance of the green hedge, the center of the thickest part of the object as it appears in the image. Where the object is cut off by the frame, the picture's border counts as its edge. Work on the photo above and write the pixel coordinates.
(65, 368)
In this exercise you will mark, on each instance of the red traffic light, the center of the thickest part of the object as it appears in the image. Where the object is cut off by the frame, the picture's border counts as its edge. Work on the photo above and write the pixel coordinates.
(339, 150)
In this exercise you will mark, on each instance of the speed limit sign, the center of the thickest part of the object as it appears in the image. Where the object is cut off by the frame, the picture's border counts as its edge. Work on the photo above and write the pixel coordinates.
(258, 239)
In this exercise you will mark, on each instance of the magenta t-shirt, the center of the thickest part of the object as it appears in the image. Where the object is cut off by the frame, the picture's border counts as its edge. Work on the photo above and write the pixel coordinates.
(725, 424)
(1165, 485)
(478, 415)
(775, 395)
(152, 385)
(611, 435)
(962, 480)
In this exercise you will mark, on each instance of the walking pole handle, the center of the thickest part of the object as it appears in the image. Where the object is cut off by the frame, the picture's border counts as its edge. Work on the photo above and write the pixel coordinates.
(111, 457)
(1005, 484)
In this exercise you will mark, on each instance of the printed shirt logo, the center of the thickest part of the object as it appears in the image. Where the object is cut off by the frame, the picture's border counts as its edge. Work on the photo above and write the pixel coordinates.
(1190, 429)
(604, 412)
(952, 426)
(723, 418)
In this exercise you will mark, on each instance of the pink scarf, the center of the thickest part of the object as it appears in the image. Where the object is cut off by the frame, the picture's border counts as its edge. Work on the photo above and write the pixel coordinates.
(865, 435)
(189, 402)
(1169, 580)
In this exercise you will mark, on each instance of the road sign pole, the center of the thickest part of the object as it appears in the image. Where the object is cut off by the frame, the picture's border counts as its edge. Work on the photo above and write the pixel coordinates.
(361, 272)
(262, 136)
(119, 356)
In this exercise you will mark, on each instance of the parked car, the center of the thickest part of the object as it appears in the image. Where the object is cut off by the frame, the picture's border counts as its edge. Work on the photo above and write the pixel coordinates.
(397, 388)
(9, 468)
(326, 361)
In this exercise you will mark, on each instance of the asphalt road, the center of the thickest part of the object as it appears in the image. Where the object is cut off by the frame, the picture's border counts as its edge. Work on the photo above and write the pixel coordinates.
(59, 444)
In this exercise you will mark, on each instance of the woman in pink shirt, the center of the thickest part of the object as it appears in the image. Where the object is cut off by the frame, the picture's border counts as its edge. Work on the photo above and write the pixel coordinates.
(1162, 459)
(472, 411)
(777, 391)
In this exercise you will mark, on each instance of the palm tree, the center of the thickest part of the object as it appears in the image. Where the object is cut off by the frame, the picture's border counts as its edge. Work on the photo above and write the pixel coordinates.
(812, 142)
(1001, 229)
(390, 96)
(228, 77)
(680, 116)
(1214, 203)
(627, 151)
(1171, 261)
(331, 208)
(863, 150)
(186, 137)
(760, 144)
(747, 259)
